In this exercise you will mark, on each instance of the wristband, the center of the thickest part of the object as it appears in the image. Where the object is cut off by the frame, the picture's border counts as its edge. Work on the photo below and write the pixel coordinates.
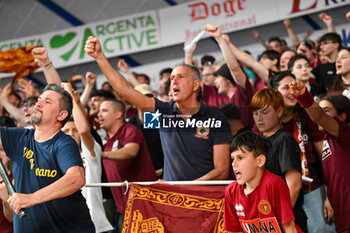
(305, 100)
(47, 64)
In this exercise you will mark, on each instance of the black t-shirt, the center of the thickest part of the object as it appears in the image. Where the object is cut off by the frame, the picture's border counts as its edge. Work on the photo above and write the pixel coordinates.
(325, 74)
(318, 90)
(284, 155)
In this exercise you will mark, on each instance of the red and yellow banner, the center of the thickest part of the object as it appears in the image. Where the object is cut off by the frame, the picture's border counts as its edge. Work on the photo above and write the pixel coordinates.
(166, 208)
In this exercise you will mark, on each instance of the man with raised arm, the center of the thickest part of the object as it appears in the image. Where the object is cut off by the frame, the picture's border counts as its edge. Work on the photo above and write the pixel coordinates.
(232, 80)
(47, 169)
(195, 138)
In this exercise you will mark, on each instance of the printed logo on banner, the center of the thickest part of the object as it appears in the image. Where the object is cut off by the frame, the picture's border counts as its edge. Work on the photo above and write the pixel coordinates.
(122, 35)
(151, 120)
(157, 120)
(58, 41)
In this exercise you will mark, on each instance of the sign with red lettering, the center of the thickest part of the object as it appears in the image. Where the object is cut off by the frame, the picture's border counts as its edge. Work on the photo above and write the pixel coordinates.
(201, 10)
(167, 26)
(234, 15)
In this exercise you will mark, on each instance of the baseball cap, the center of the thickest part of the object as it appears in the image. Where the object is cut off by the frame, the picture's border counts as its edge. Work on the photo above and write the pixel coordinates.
(224, 71)
(145, 89)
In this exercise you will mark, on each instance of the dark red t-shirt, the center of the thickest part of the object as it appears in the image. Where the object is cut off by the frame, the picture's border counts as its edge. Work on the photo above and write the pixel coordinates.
(333, 91)
(212, 98)
(138, 169)
(260, 84)
(267, 207)
(336, 174)
(242, 99)
(130, 113)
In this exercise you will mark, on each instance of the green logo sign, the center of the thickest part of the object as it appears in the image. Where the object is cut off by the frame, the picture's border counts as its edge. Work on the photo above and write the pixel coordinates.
(115, 37)
(58, 41)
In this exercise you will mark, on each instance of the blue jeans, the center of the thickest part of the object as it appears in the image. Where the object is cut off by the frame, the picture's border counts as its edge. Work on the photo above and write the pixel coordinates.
(313, 207)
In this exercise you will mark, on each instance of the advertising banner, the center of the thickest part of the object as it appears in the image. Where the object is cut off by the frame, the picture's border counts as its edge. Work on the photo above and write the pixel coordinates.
(166, 27)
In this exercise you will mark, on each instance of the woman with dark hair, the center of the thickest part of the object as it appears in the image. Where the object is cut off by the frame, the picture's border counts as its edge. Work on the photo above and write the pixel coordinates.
(296, 121)
(336, 105)
(341, 83)
(332, 114)
(299, 65)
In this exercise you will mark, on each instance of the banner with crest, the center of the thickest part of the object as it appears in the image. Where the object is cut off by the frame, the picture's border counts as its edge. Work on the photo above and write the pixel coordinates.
(167, 208)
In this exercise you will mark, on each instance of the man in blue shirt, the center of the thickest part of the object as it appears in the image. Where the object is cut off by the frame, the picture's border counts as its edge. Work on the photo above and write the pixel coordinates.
(47, 169)
(196, 143)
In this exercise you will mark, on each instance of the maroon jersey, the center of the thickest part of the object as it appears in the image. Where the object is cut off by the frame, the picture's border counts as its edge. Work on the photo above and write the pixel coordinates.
(242, 99)
(130, 113)
(260, 84)
(264, 210)
(212, 98)
(336, 174)
(138, 169)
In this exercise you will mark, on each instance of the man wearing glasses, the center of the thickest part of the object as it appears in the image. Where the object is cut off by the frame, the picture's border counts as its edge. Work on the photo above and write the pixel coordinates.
(22, 117)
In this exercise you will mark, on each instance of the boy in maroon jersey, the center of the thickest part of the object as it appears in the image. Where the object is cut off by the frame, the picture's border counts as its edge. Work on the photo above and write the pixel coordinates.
(258, 201)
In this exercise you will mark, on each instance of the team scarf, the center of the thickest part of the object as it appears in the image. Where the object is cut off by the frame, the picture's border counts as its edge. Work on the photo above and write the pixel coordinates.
(301, 140)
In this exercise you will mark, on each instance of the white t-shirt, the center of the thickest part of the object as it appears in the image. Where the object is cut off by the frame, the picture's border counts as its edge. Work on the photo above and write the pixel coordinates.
(93, 195)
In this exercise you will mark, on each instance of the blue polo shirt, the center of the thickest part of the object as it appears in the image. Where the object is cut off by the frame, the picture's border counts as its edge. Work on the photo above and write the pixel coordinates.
(188, 145)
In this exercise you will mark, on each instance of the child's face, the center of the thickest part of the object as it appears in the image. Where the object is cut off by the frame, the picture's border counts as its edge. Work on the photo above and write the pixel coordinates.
(245, 166)
(267, 120)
